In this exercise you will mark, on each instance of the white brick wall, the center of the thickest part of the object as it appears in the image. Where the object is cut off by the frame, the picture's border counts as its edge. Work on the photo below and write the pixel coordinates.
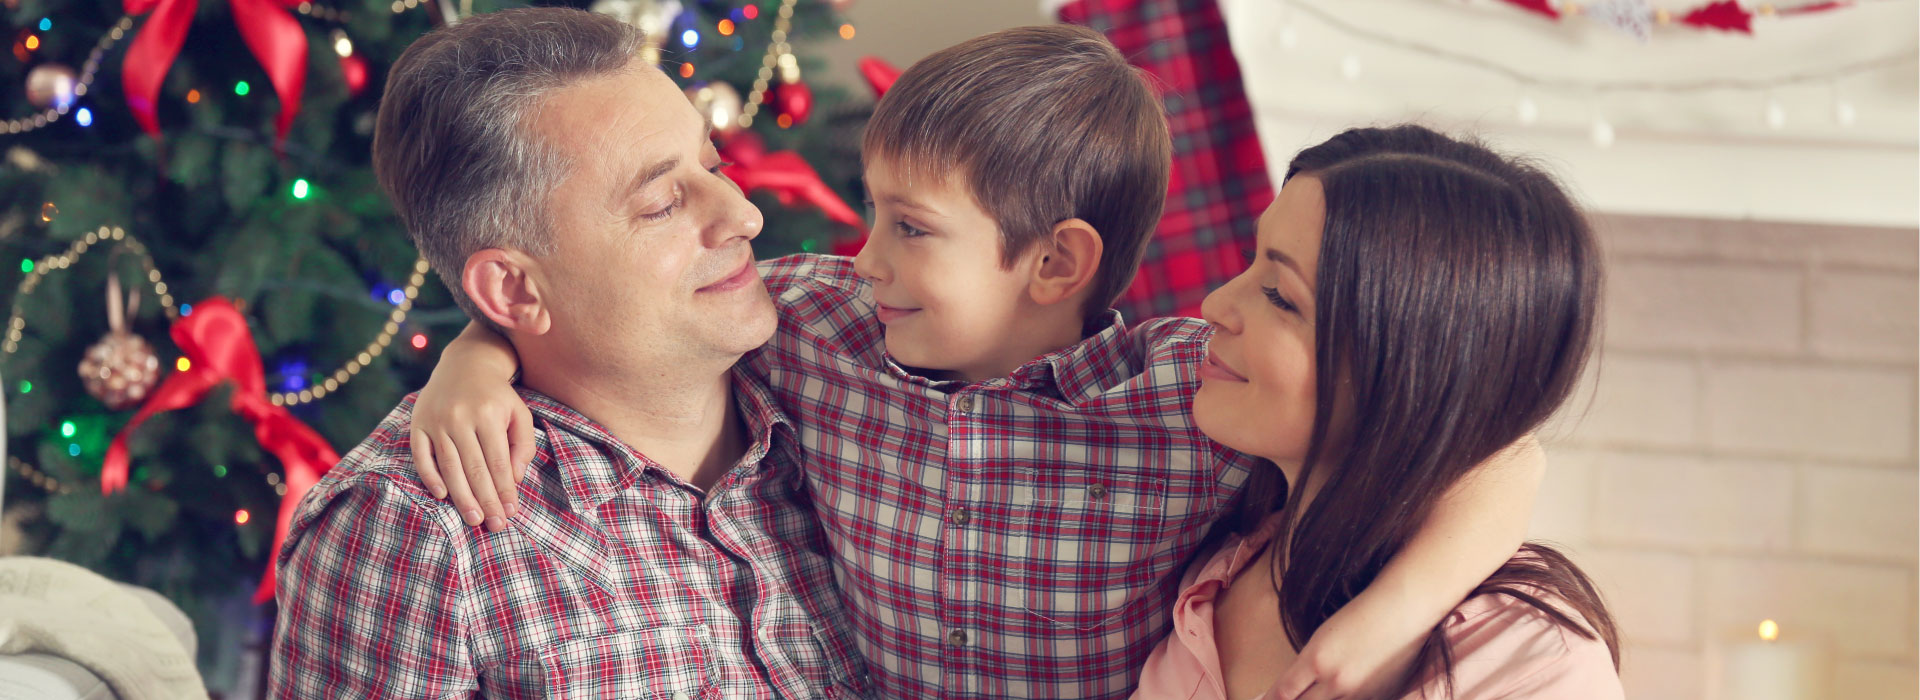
(1745, 448)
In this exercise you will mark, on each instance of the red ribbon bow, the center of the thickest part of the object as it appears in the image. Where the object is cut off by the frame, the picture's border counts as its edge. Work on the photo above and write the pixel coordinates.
(785, 174)
(219, 348)
(270, 31)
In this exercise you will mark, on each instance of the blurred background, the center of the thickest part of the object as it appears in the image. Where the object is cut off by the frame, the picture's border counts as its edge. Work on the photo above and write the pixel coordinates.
(1744, 450)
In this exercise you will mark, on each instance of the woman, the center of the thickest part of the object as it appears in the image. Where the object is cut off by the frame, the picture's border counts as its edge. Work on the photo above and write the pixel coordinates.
(1416, 303)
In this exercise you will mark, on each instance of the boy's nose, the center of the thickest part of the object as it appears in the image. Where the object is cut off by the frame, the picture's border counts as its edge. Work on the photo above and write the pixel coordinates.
(866, 264)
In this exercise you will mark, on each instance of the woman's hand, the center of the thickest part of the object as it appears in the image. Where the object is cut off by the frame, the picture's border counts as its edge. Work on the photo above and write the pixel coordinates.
(1365, 650)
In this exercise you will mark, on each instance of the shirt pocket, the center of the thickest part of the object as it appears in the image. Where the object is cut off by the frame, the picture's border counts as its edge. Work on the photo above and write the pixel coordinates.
(1086, 543)
(828, 661)
(666, 663)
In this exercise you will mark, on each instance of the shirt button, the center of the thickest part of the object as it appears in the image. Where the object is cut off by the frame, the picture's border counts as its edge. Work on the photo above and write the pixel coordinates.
(957, 638)
(965, 405)
(1097, 491)
(958, 516)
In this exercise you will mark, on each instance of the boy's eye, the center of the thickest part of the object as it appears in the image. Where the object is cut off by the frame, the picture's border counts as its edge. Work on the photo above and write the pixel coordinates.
(722, 166)
(907, 230)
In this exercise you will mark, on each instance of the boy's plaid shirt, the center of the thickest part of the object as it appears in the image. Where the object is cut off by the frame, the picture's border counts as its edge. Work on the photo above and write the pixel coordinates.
(617, 580)
(1021, 537)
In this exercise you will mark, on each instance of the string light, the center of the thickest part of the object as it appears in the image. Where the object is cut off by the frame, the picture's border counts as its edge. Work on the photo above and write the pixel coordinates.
(690, 37)
(220, 471)
(26, 387)
(342, 45)
(46, 24)
(784, 121)
(59, 110)
(193, 97)
(846, 31)
(26, 265)
(240, 517)
(725, 27)
(419, 341)
(186, 309)
(84, 117)
(33, 42)
(242, 88)
(67, 428)
(183, 364)
(48, 211)
(750, 12)
(686, 70)
(396, 296)
(300, 188)
(73, 449)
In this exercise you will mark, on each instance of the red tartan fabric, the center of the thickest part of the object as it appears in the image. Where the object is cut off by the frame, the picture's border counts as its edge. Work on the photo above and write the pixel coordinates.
(1219, 185)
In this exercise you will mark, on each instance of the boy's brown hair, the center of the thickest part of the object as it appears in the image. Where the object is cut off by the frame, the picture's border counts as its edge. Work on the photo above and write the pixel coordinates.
(1045, 124)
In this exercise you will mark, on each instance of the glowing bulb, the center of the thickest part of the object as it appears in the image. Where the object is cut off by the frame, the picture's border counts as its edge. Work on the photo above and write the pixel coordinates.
(26, 265)
(343, 46)
(1843, 112)
(183, 364)
(33, 42)
(242, 88)
(26, 387)
(686, 70)
(186, 309)
(73, 449)
(48, 211)
(419, 341)
(1776, 114)
(300, 188)
(784, 121)
(193, 97)
(1527, 111)
(220, 471)
(46, 24)
(240, 517)
(725, 27)
(66, 428)
(396, 296)
(84, 117)
(1350, 67)
(750, 12)
(1602, 132)
(846, 31)
(1769, 630)
(690, 37)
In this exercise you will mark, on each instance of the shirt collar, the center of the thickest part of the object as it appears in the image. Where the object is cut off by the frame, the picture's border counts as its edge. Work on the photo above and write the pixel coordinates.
(1098, 362)
(612, 466)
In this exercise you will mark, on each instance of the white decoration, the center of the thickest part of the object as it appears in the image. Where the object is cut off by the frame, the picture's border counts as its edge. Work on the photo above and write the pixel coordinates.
(1631, 17)
(1602, 132)
(1527, 111)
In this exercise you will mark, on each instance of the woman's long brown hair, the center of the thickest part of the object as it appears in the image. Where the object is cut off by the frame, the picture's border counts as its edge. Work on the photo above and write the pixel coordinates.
(1457, 297)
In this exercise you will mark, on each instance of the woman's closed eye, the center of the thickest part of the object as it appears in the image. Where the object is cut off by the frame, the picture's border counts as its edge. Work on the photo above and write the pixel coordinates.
(1273, 297)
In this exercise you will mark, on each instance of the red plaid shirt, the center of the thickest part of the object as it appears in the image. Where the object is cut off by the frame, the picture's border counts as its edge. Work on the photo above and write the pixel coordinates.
(1018, 537)
(617, 579)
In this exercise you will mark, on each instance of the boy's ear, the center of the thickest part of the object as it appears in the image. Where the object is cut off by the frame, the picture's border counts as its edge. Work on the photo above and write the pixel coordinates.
(503, 290)
(1068, 264)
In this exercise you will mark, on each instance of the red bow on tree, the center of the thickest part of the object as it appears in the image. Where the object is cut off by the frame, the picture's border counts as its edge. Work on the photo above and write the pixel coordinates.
(879, 74)
(785, 174)
(219, 348)
(271, 33)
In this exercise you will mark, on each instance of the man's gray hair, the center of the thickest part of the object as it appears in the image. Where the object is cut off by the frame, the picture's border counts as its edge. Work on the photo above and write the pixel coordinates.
(453, 147)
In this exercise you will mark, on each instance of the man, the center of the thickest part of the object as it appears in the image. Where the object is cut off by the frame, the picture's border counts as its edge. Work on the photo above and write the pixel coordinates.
(663, 545)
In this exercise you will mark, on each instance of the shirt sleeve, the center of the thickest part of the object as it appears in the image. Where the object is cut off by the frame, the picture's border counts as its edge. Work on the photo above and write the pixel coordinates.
(371, 601)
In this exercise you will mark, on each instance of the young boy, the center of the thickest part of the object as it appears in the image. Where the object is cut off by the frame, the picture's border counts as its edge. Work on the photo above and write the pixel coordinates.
(1008, 474)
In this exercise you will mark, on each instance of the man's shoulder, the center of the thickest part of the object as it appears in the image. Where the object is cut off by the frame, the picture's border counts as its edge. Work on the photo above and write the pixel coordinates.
(377, 474)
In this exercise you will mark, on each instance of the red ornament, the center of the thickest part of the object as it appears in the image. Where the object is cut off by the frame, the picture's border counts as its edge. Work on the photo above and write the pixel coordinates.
(795, 100)
(879, 74)
(353, 69)
(220, 348)
(1725, 15)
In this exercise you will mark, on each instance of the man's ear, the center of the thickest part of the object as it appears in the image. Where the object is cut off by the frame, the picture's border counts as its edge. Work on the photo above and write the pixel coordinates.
(1069, 262)
(502, 289)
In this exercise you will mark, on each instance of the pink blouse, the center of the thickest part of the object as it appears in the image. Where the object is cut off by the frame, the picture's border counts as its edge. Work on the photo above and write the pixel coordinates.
(1502, 646)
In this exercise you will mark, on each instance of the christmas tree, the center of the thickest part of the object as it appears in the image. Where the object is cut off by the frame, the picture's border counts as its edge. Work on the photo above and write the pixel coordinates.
(130, 172)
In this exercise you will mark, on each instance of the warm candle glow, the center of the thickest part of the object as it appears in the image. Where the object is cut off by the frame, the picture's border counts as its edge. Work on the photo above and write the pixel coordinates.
(1769, 630)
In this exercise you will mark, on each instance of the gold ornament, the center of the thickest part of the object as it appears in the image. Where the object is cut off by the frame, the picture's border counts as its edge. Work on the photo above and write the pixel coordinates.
(720, 104)
(121, 368)
(51, 85)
